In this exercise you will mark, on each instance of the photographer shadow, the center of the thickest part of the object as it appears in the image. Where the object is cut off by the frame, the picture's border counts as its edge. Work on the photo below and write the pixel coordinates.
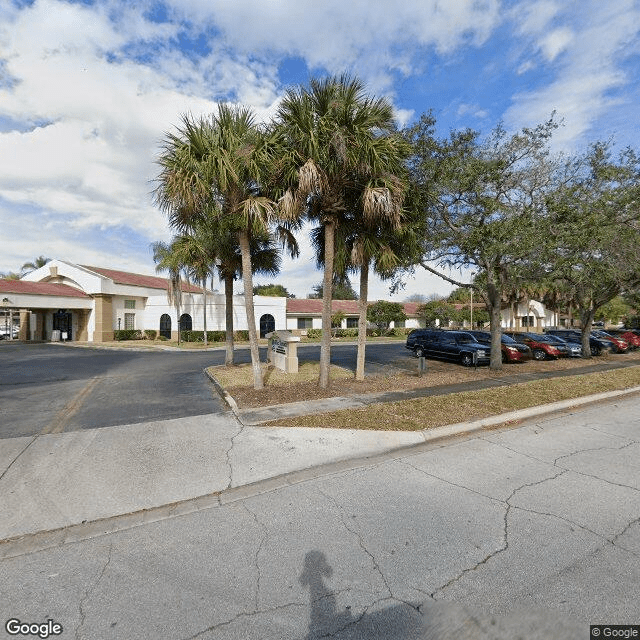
(398, 622)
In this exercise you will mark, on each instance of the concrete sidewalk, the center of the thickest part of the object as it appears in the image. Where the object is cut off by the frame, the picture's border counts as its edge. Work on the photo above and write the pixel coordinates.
(57, 488)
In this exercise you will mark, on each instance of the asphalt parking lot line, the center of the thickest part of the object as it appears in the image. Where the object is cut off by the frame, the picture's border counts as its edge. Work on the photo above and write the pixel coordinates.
(62, 418)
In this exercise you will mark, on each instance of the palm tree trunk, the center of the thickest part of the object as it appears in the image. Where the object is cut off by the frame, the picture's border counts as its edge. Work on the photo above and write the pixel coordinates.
(247, 279)
(228, 311)
(325, 349)
(204, 299)
(362, 318)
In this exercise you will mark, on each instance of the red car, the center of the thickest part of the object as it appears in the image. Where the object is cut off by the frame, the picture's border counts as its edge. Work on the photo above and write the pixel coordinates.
(540, 348)
(628, 335)
(619, 345)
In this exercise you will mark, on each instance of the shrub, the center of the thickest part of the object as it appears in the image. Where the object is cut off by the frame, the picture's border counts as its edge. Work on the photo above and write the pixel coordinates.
(347, 333)
(198, 336)
(373, 333)
(241, 336)
(314, 333)
(163, 338)
(151, 334)
(396, 332)
(127, 334)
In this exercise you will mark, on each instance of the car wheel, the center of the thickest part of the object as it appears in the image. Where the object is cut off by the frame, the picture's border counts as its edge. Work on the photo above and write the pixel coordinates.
(595, 351)
(539, 354)
(419, 351)
(466, 359)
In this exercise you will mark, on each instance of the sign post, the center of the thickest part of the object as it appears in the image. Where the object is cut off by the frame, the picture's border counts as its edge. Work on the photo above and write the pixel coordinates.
(282, 351)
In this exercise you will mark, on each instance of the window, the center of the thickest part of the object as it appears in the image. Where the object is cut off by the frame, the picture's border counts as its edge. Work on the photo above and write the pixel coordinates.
(129, 320)
(400, 324)
(305, 323)
(129, 304)
(528, 321)
(352, 323)
(186, 322)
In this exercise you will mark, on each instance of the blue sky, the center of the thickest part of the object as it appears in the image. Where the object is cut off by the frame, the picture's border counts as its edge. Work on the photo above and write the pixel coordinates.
(87, 90)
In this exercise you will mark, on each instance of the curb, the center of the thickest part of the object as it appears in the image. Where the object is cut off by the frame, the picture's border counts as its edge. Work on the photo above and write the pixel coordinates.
(224, 395)
(45, 539)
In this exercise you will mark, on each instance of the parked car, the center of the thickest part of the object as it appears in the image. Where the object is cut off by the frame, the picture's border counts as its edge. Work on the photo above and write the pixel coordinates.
(628, 335)
(541, 346)
(458, 346)
(597, 346)
(618, 344)
(415, 335)
(6, 333)
(568, 348)
(512, 351)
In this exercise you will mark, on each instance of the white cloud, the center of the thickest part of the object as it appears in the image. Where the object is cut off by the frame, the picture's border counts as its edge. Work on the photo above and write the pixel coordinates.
(375, 34)
(534, 17)
(589, 74)
(473, 109)
(555, 43)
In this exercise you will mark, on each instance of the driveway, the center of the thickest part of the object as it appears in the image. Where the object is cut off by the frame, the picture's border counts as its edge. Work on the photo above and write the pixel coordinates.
(48, 388)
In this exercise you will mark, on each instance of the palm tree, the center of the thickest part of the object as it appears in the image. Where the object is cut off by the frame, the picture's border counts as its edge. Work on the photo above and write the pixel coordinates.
(195, 251)
(333, 162)
(265, 259)
(40, 261)
(217, 162)
(167, 259)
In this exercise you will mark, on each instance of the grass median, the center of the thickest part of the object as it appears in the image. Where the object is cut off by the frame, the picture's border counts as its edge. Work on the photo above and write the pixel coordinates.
(425, 413)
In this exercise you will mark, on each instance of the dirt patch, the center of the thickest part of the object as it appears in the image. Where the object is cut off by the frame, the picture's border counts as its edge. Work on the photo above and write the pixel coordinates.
(281, 388)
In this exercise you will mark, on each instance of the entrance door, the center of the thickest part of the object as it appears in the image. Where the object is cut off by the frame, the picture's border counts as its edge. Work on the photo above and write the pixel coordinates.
(165, 325)
(62, 322)
(267, 324)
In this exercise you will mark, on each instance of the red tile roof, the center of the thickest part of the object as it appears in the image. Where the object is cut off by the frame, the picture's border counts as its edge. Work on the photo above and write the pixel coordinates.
(139, 280)
(41, 288)
(297, 306)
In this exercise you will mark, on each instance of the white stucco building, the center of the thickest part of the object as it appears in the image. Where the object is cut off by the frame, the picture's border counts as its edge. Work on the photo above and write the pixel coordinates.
(88, 303)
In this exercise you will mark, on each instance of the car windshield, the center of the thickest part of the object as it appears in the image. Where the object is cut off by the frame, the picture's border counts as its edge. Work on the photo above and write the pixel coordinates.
(465, 339)
(508, 340)
(541, 338)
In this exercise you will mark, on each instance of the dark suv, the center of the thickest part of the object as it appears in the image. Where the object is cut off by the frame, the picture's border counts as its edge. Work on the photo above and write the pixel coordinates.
(458, 346)
(417, 334)
(512, 351)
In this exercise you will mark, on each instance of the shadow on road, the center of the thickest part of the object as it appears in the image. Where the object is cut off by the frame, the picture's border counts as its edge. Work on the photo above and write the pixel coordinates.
(400, 622)
(431, 620)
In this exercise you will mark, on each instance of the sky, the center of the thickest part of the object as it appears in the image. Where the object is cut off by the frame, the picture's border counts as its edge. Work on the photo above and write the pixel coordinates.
(89, 89)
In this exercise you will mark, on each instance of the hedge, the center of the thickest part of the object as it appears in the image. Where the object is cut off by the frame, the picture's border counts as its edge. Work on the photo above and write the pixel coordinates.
(127, 334)
(198, 336)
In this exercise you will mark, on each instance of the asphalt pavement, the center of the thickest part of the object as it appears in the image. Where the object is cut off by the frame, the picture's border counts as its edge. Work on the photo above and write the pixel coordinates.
(530, 530)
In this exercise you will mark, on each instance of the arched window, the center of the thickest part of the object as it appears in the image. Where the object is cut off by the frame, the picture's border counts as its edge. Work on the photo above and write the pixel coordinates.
(165, 325)
(267, 324)
(186, 324)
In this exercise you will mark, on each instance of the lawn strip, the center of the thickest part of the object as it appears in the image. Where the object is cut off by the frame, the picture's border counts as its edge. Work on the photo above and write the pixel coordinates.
(426, 413)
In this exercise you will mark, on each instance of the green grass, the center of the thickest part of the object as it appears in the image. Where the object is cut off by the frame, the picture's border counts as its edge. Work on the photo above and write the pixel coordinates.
(425, 413)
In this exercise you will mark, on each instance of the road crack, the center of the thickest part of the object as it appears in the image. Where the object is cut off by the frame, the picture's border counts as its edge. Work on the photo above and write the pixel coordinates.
(213, 628)
(505, 535)
(265, 535)
(88, 593)
(358, 538)
(229, 451)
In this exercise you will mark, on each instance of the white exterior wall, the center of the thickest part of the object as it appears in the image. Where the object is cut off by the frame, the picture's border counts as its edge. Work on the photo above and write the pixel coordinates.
(193, 305)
